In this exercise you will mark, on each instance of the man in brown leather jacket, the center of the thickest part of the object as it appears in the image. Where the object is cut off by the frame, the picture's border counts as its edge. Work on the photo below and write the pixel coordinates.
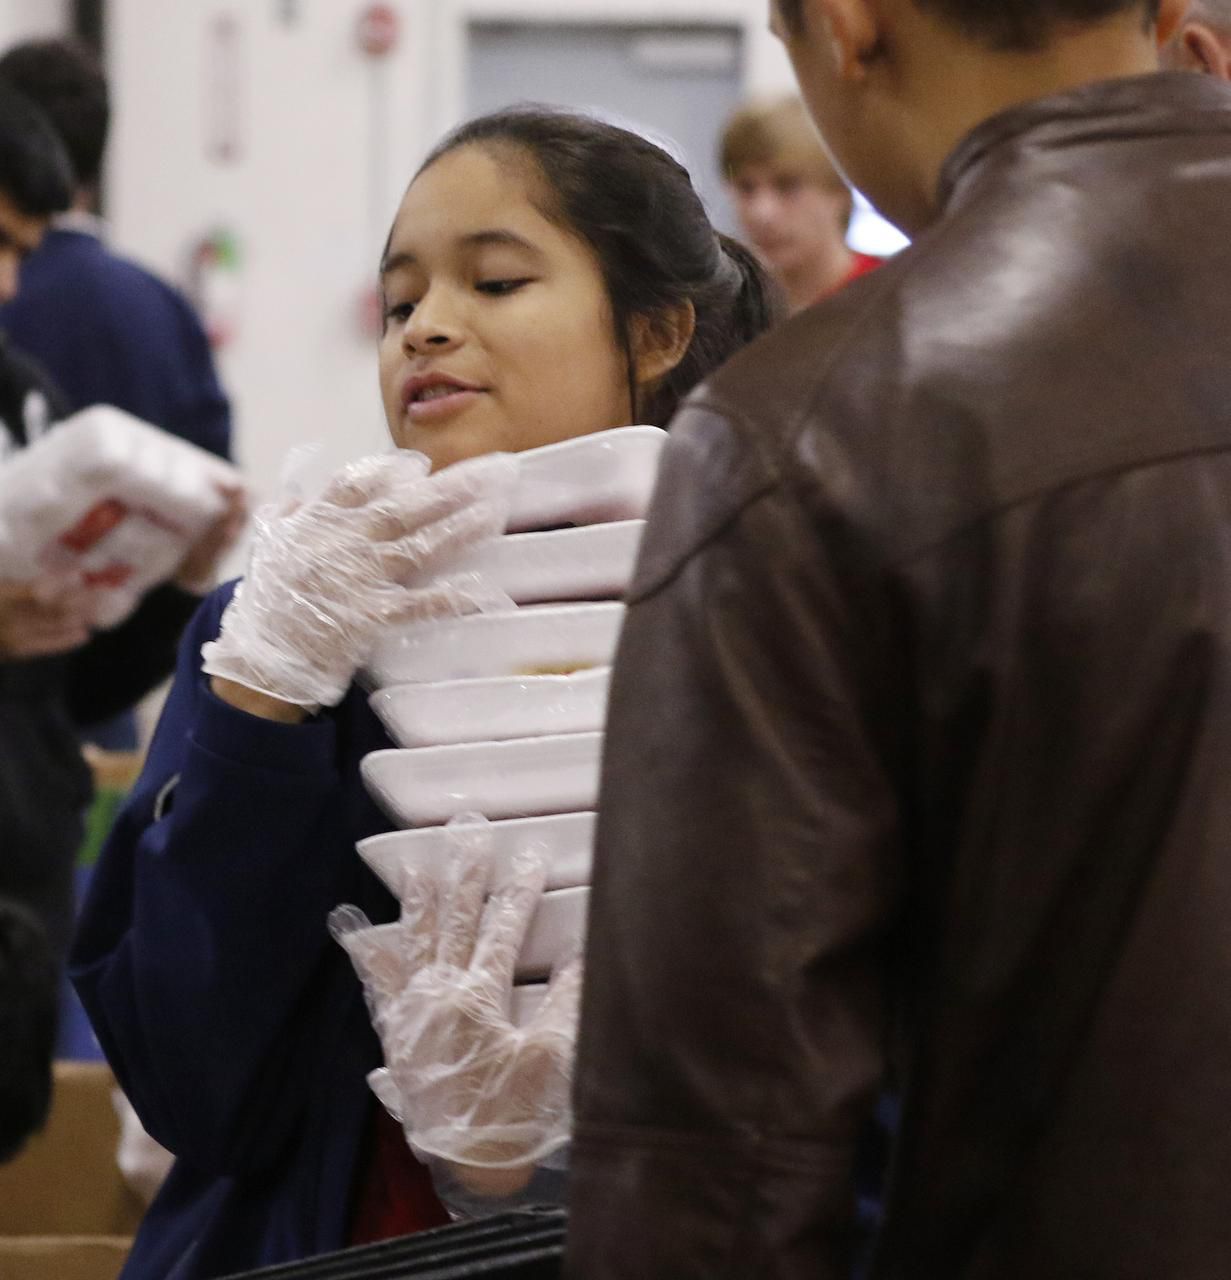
(919, 758)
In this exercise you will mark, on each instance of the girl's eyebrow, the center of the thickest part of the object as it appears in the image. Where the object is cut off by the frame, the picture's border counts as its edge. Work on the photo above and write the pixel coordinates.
(476, 239)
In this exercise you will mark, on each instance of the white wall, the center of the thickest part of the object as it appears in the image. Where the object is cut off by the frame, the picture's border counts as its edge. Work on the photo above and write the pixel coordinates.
(298, 368)
(328, 139)
(31, 19)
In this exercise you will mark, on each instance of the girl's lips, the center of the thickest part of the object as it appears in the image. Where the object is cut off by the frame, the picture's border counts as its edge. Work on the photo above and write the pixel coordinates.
(440, 407)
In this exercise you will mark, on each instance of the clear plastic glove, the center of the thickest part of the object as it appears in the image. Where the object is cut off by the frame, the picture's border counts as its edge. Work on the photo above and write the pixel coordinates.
(468, 1086)
(327, 574)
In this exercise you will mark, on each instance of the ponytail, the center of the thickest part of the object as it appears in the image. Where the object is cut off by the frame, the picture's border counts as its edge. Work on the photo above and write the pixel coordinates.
(736, 303)
(759, 302)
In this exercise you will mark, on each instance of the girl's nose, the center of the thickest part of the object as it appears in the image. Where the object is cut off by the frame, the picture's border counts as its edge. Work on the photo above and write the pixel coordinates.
(431, 326)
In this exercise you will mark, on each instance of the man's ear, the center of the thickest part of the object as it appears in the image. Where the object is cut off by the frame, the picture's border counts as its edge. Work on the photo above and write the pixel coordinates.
(1200, 49)
(660, 341)
(1170, 16)
(852, 30)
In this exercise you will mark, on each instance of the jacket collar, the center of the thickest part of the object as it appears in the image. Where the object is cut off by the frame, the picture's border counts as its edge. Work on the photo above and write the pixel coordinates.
(80, 223)
(1133, 107)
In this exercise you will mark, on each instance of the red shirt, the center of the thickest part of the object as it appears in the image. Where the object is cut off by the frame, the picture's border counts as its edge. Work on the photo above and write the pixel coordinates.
(393, 1191)
(861, 264)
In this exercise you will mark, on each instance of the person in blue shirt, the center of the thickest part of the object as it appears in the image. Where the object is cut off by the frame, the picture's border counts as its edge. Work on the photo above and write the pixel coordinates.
(56, 673)
(105, 330)
(547, 276)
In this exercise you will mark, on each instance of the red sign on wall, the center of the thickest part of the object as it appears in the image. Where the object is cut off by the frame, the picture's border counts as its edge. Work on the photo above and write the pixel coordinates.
(377, 30)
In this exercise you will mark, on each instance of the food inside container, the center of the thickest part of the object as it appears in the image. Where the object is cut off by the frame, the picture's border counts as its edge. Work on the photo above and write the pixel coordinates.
(564, 840)
(592, 562)
(495, 709)
(525, 777)
(537, 638)
(106, 504)
(592, 479)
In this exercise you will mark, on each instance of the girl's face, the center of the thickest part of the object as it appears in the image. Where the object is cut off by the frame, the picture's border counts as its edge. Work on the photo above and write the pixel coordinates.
(498, 331)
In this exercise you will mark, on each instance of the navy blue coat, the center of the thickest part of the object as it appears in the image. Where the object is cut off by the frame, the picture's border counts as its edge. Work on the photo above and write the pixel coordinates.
(110, 332)
(232, 1020)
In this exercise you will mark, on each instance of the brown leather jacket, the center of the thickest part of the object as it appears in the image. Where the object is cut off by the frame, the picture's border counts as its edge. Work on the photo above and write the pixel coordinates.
(919, 756)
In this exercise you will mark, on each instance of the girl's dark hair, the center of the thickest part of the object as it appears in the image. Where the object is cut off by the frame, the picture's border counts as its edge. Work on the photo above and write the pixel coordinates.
(635, 207)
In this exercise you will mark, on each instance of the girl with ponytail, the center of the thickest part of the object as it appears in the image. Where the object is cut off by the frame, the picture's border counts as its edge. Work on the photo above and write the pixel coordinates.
(547, 275)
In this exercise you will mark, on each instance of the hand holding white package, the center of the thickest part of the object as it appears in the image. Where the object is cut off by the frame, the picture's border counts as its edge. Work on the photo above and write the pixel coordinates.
(106, 506)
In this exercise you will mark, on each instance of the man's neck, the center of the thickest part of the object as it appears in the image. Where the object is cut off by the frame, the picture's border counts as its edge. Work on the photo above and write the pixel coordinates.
(946, 90)
(74, 219)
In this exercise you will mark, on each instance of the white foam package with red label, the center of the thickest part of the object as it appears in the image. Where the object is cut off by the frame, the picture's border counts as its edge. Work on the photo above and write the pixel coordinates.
(107, 504)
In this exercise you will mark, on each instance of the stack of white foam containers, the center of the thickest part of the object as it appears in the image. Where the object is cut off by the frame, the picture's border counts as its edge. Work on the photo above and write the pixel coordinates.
(502, 714)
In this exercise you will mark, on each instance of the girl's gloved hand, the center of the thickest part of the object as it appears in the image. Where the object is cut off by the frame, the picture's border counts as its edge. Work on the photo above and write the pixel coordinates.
(327, 574)
(469, 1087)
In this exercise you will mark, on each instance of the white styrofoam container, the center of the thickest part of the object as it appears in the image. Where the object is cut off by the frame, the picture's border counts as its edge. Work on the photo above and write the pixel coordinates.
(565, 841)
(590, 562)
(524, 777)
(107, 504)
(556, 933)
(538, 639)
(527, 1001)
(587, 480)
(495, 709)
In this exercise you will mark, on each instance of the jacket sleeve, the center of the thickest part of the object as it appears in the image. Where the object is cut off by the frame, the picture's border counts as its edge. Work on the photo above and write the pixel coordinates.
(119, 667)
(734, 1018)
(202, 957)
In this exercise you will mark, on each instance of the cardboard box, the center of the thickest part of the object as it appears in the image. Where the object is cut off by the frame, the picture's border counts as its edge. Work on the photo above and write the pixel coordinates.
(65, 1212)
(62, 1257)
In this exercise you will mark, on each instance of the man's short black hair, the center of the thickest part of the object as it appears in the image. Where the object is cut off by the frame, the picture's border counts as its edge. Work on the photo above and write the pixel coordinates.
(65, 80)
(28, 990)
(35, 172)
(1009, 25)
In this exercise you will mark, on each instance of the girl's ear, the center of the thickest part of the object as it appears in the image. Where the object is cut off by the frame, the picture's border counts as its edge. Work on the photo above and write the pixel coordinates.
(660, 341)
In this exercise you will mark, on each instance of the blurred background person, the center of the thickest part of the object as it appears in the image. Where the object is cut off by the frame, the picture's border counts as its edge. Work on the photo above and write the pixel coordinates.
(106, 330)
(128, 338)
(793, 206)
(1203, 40)
(54, 675)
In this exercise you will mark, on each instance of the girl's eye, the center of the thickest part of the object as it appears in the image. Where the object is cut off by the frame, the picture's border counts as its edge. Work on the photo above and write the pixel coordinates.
(398, 312)
(499, 288)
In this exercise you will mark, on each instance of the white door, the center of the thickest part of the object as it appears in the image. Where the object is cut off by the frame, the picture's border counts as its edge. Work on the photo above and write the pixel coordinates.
(675, 83)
